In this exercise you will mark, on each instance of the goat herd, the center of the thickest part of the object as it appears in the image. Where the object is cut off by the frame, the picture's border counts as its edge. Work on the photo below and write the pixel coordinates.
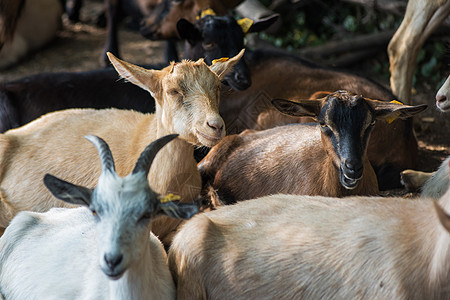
(298, 238)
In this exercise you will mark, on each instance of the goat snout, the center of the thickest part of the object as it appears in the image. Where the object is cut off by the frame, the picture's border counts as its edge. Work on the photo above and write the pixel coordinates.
(113, 260)
(351, 172)
(216, 125)
(442, 102)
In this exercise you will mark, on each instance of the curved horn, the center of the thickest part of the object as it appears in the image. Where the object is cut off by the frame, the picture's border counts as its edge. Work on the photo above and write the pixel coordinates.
(145, 160)
(104, 152)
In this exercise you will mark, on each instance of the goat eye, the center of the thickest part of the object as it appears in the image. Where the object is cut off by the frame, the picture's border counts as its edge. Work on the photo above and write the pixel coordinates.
(373, 123)
(94, 212)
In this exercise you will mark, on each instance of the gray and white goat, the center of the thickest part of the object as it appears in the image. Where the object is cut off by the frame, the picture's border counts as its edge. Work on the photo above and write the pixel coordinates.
(105, 252)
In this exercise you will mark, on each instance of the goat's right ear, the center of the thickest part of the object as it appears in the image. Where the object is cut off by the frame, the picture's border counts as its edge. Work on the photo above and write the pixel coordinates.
(148, 80)
(68, 192)
(299, 108)
(187, 31)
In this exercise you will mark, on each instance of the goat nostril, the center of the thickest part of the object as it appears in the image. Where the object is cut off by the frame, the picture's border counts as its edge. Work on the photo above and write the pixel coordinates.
(215, 125)
(353, 166)
(441, 98)
(113, 261)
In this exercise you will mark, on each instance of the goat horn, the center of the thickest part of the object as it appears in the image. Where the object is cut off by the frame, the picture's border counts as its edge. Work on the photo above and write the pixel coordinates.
(145, 160)
(104, 152)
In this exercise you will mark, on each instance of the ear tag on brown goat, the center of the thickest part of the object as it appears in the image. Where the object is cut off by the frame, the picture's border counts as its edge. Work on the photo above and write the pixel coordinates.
(219, 60)
(206, 12)
(245, 24)
(169, 198)
(392, 117)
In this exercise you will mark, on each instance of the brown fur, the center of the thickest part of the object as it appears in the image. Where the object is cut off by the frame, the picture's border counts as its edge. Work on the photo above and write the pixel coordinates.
(288, 77)
(303, 247)
(54, 143)
(294, 159)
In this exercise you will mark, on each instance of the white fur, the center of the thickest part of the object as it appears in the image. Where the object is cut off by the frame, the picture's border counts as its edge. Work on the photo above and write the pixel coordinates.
(444, 93)
(438, 183)
(37, 25)
(304, 247)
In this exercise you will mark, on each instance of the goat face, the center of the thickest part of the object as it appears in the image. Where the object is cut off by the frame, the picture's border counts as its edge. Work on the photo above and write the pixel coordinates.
(187, 96)
(121, 208)
(443, 96)
(213, 37)
(346, 120)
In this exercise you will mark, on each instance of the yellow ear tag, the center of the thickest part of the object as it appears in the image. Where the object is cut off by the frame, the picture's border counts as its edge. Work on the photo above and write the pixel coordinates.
(394, 116)
(169, 198)
(219, 60)
(206, 12)
(245, 24)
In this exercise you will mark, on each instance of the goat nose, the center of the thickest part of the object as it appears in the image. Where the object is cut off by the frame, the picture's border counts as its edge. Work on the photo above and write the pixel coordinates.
(441, 98)
(215, 124)
(354, 166)
(113, 261)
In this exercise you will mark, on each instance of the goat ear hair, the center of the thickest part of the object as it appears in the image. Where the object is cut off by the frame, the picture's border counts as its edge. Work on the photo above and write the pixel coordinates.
(302, 108)
(146, 158)
(68, 192)
(395, 109)
(178, 210)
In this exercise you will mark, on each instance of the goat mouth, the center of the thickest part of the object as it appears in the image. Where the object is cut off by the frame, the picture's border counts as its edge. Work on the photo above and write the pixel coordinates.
(347, 182)
(212, 140)
(444, 106)
(114, 275)
(235, 84)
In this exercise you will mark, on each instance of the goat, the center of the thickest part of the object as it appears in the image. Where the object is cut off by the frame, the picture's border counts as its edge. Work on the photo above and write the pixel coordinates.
(186, 102)
(104, 249)
(421, 18)
(392, 148)
(161, 23)
(306, 247)
(24, 100)
(213, 37)
(433, 184)
(443, 96)
(26, 26)
(327, 159)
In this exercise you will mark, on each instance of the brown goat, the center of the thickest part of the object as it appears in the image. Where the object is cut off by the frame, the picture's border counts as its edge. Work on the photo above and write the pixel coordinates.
(186, 98)
(392, 148)
(327, 159)
(304, 247)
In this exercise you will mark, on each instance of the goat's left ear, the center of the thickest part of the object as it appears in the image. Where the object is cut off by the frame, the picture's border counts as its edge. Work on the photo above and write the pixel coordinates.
(394, 109)
(187, 31)
(176, 209)
(299, 108)
(444, 218)
(68, 192)
(148, 80)
(261, 24)
(222, 66)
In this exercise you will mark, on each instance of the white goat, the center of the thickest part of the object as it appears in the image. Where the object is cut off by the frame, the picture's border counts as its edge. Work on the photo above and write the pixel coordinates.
(305, 247)
(104, 252)
(186, 102)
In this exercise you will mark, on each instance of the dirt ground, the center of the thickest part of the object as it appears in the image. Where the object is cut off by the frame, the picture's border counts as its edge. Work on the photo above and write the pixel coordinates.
(78, 48)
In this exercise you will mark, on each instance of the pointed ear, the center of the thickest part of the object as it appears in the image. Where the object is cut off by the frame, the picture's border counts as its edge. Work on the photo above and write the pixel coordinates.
(299, 108)
(222, 66)
(262, 24)
(176, 209)
(394, 109)
(187, 31)
(68, 192)
(444, 218)
(148, 80)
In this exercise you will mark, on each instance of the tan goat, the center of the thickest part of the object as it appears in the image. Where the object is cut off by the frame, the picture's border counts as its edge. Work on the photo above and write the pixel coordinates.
(186, 96)
(304, 247)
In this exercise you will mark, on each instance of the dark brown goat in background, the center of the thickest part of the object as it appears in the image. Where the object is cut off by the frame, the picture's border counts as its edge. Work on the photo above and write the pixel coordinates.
(327, 159)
